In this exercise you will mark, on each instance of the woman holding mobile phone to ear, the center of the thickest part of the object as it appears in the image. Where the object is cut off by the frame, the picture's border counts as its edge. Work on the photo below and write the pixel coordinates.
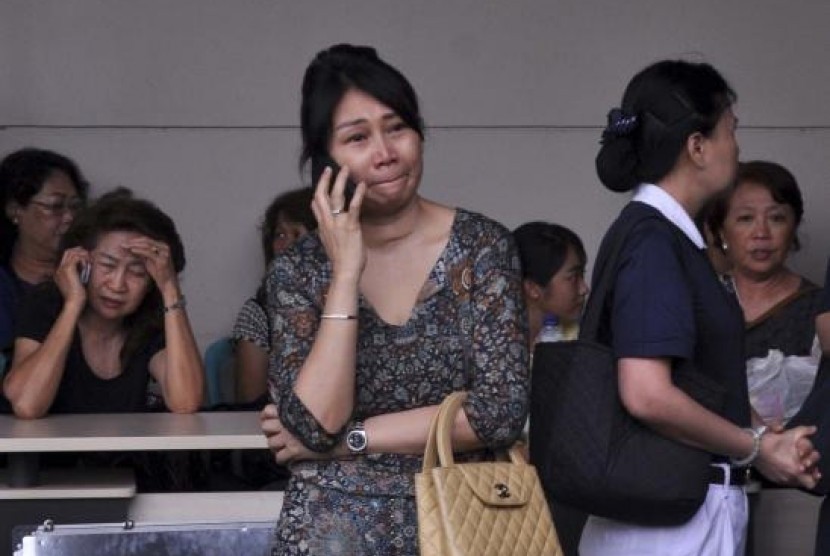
(395, 302)
(92, 348)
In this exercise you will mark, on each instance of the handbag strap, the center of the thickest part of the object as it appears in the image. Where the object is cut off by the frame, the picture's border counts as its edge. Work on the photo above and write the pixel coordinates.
(446, 418)
(431, 449)
(439, 441)
(432, 452)
(606, 270)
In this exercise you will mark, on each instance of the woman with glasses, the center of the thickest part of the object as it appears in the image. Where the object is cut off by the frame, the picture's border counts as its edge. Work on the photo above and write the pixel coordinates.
(40, 192)
(114, 315)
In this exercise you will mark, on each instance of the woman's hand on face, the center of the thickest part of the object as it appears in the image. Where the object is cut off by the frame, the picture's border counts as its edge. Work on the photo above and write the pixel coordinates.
(68, 276)
(284, 445)
(339, 229)
(159, 264)
(789, 457)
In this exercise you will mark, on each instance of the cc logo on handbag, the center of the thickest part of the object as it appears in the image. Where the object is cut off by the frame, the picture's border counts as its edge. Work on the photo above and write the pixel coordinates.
(504, 490)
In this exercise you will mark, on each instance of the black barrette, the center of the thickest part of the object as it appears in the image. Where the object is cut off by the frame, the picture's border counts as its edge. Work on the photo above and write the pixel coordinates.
(620, 122)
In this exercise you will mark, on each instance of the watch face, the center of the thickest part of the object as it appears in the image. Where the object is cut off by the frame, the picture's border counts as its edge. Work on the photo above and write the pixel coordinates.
(356, 440)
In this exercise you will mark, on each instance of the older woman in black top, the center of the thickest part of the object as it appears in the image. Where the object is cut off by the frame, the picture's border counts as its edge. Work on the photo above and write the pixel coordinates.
(756, 225)
(113, 317)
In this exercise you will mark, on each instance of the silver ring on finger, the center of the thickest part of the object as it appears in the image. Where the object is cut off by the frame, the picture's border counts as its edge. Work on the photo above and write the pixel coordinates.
(337, 211)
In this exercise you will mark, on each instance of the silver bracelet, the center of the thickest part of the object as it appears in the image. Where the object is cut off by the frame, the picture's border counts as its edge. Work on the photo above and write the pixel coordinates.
(180, 303)
(338, 316)
(757, 434)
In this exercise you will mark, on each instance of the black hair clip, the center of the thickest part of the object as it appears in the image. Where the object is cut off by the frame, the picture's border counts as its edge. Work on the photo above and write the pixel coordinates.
(621, 123)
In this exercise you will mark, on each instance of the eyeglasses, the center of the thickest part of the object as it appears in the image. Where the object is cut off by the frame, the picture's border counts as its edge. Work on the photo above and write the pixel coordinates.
(59, 208)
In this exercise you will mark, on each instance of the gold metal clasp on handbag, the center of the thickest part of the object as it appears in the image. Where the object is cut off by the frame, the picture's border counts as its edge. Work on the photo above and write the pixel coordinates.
(504, 490)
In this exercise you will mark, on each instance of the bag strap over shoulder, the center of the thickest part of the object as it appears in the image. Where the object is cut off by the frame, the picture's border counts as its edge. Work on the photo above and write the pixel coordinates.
(606, 269)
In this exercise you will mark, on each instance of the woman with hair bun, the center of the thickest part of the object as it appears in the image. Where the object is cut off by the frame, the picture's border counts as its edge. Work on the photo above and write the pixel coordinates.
(395, 302)
(673, 143)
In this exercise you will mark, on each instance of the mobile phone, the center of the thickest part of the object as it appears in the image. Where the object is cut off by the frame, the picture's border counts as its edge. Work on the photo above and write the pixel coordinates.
(86, 270)
(318, 166)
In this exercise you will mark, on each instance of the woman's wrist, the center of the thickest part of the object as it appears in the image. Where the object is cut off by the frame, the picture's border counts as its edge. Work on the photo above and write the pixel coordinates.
(749, 457)
(345, 278)
(171, 293)
(73, 307)
(341, 298)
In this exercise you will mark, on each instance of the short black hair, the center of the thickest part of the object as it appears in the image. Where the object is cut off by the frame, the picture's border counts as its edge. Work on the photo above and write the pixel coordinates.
(775, 178)
(669, 101)
(294, 206)
(22, 176)
(543, 248)
(338, 69)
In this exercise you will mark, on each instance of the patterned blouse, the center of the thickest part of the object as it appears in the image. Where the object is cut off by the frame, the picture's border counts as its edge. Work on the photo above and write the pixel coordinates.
(467, 331)
(252, 324)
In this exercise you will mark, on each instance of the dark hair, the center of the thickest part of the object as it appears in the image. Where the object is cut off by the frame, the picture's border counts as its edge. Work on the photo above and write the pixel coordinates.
(22, 175)
(336, 70)
(543, 248)
(293, 206)
(119, 211)
(662, 106)
(782, 187)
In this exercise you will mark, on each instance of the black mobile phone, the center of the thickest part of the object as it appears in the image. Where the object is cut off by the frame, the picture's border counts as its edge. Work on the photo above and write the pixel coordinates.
(318, 166)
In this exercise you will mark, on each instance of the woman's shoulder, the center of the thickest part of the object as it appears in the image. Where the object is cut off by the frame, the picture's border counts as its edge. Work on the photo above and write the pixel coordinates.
(644, 221)
(808, 287)
(45, 296)
(642, 230)
(305, 257)
(6, 275)
(479, 229)
(7, 283)
(799, 308)
(812, 294)
(11, 286)
(38, 310)
(302, 272)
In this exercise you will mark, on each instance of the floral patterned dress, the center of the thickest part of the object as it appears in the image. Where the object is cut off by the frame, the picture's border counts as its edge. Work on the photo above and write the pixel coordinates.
(467, 332)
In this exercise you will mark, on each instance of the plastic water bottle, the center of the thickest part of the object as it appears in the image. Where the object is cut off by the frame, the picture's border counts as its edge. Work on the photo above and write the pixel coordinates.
(551, 331)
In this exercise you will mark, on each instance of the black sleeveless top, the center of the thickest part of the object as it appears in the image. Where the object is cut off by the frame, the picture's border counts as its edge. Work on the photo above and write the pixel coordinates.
(80, 389)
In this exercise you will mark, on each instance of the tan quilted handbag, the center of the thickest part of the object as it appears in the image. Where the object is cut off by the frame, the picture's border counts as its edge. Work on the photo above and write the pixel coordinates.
(482, 508)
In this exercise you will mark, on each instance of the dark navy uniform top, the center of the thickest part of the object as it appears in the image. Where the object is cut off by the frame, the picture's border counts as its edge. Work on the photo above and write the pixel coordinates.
(667, 302)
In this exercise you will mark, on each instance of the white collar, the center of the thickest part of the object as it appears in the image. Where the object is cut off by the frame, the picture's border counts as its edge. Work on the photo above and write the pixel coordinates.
(668, 206)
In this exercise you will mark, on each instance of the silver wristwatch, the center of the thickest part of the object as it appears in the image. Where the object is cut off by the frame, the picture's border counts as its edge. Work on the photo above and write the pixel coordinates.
(356, 440)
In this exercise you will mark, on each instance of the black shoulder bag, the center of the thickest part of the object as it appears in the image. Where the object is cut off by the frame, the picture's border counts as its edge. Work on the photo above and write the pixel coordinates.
(590, 452)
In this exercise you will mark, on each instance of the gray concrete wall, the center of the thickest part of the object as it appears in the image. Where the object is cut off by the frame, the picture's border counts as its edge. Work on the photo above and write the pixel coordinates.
(195, 103)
